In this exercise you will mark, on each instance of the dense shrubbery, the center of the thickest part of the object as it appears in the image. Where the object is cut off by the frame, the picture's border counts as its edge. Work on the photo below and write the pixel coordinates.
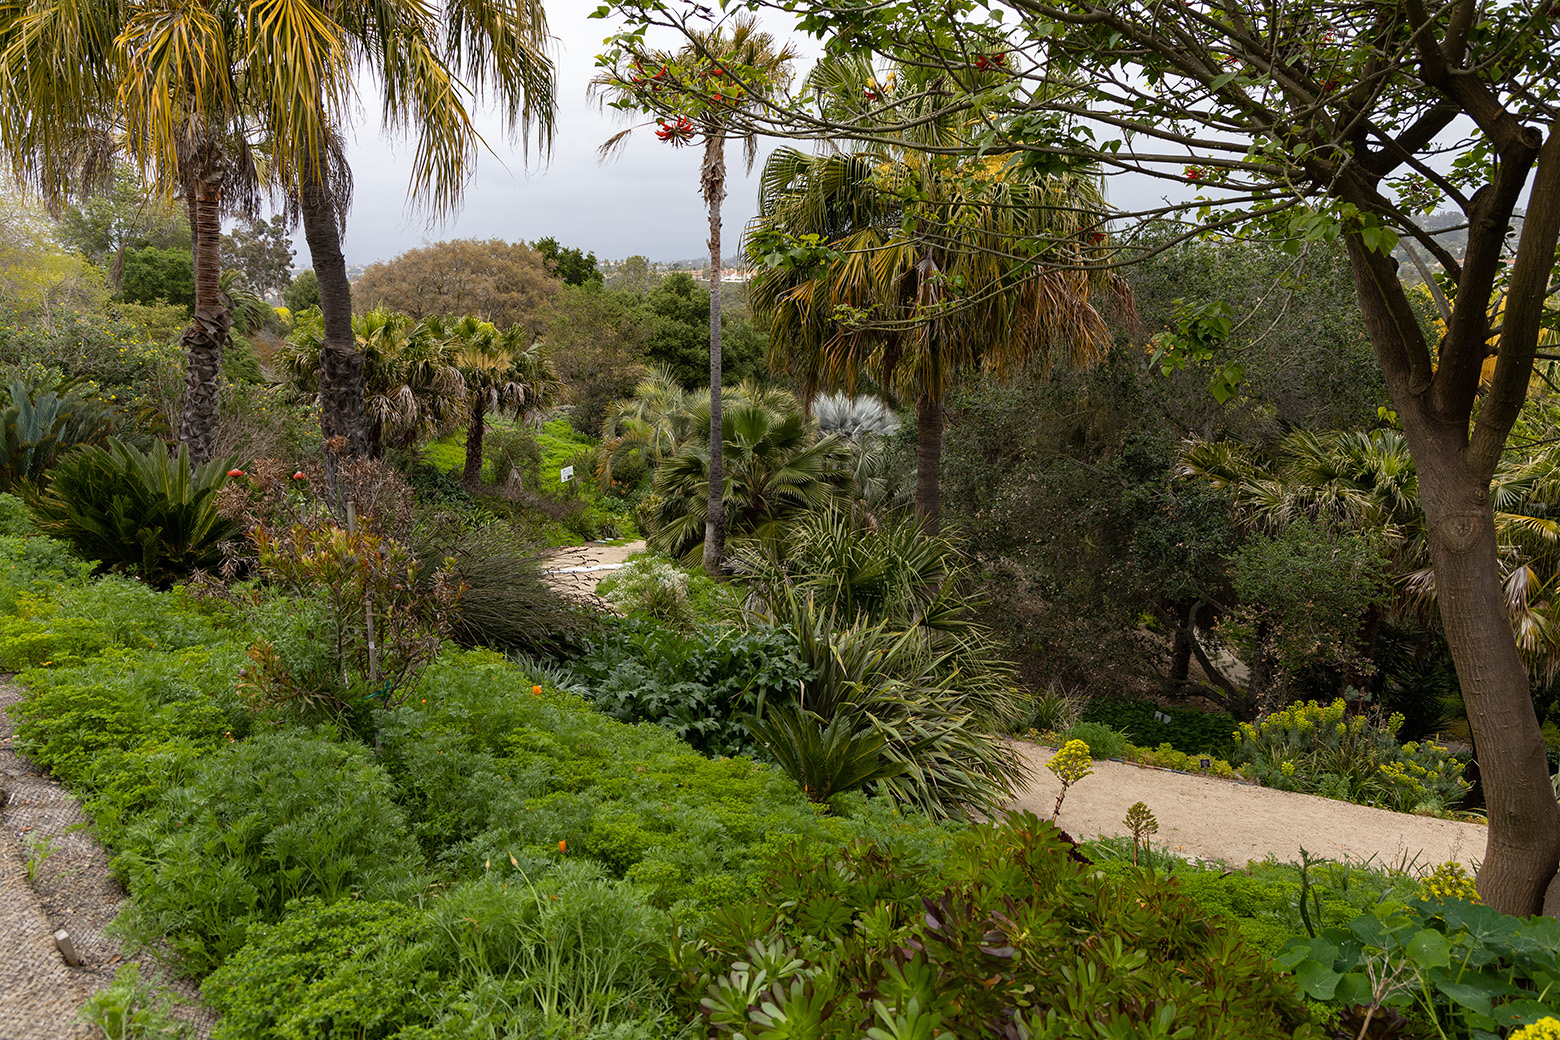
(701, 685)
(150, 512)
(1354, 757)
(1011, 937)
(1187, 729)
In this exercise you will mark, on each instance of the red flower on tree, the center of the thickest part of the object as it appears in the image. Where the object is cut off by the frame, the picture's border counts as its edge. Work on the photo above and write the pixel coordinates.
(676, 131)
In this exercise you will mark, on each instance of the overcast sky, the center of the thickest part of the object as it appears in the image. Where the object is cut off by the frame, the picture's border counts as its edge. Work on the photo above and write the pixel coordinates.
(645, 201)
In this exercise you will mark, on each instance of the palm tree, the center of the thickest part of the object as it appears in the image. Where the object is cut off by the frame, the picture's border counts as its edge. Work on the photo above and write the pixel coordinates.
(908, 279)
(427, 59)
(167, 84)
(188, 87)
(710, 80)
(411, 391)
(501, 370)
(774, 472)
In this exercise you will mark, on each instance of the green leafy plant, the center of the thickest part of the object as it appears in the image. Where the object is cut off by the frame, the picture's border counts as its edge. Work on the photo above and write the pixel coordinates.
(656, 589)
(39, 849)
(148, 511)
(1055, 709)
(1464, 969)
(902, 684)
(40, 424)
(130, 1009)
(325, 969)
(868, 942)
(825, 758)
(702, 685)
(1148, 724)
(1102, 741)
(276, 817)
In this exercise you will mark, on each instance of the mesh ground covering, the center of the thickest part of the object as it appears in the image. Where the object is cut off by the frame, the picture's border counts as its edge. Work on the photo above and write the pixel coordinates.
(54, 875)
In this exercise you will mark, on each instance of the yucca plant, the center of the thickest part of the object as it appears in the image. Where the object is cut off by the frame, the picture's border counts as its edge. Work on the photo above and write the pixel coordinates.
(41, 424)
(825, 758)
(939, 751)
(128, 509)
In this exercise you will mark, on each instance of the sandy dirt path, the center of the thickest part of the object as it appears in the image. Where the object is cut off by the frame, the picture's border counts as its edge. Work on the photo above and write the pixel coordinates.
(1208, 818)
(579, 568)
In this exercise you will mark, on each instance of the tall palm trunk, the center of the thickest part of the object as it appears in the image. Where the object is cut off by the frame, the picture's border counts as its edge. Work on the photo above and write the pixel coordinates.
(341, 364)
(477, 427)
(928, 460)
(712, 183)
(207, 335)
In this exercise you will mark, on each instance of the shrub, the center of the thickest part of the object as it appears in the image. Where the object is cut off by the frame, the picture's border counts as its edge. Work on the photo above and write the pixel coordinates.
(384, 625)
(1103, 741)
(1054, 709)
(269, 819)
(1461, 968)
(869, 942)
(488, 770)
(930, 716)
(151, 512)
(1148, 724)
(701, 685)
(40, 424)
(650, 588)
(1352, 757)
(1263, 900)
(506, 602)
(349, 968)
(568, 952)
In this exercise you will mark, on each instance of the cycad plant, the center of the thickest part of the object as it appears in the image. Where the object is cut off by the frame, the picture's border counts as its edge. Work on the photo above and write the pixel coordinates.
(148, 511)
(41, 424)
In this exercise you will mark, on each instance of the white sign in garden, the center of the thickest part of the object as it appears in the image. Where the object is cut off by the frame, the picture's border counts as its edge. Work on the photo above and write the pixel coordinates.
(566, 474)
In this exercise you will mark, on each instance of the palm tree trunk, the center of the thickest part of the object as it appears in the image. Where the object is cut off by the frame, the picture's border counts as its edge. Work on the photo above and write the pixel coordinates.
(472, 477)
(207, 335)
(928, 460)
(341, 364)
(712, 183)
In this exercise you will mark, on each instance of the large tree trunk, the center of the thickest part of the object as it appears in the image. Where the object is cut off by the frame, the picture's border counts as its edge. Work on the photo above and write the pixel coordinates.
(712, 183)
(472, 476)
(928, 460)
(341, 364)
(207, 335)
(1523, 846)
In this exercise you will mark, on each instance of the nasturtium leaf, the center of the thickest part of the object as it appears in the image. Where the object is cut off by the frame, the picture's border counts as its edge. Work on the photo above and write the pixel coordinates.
(1317, 981)
(1430, 949)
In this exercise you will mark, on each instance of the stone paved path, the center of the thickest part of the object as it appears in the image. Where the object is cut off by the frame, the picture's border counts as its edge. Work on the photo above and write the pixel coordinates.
(71, 888)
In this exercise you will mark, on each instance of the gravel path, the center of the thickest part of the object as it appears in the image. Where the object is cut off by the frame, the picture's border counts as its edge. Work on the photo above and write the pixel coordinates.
(71, 889)
(1208, 818)
(578, 569)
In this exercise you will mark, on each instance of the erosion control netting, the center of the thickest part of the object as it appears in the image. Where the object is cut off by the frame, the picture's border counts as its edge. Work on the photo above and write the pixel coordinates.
(54, 875)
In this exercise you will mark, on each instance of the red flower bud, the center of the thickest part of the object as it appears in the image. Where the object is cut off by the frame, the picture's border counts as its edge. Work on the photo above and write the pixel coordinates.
(235, 472)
